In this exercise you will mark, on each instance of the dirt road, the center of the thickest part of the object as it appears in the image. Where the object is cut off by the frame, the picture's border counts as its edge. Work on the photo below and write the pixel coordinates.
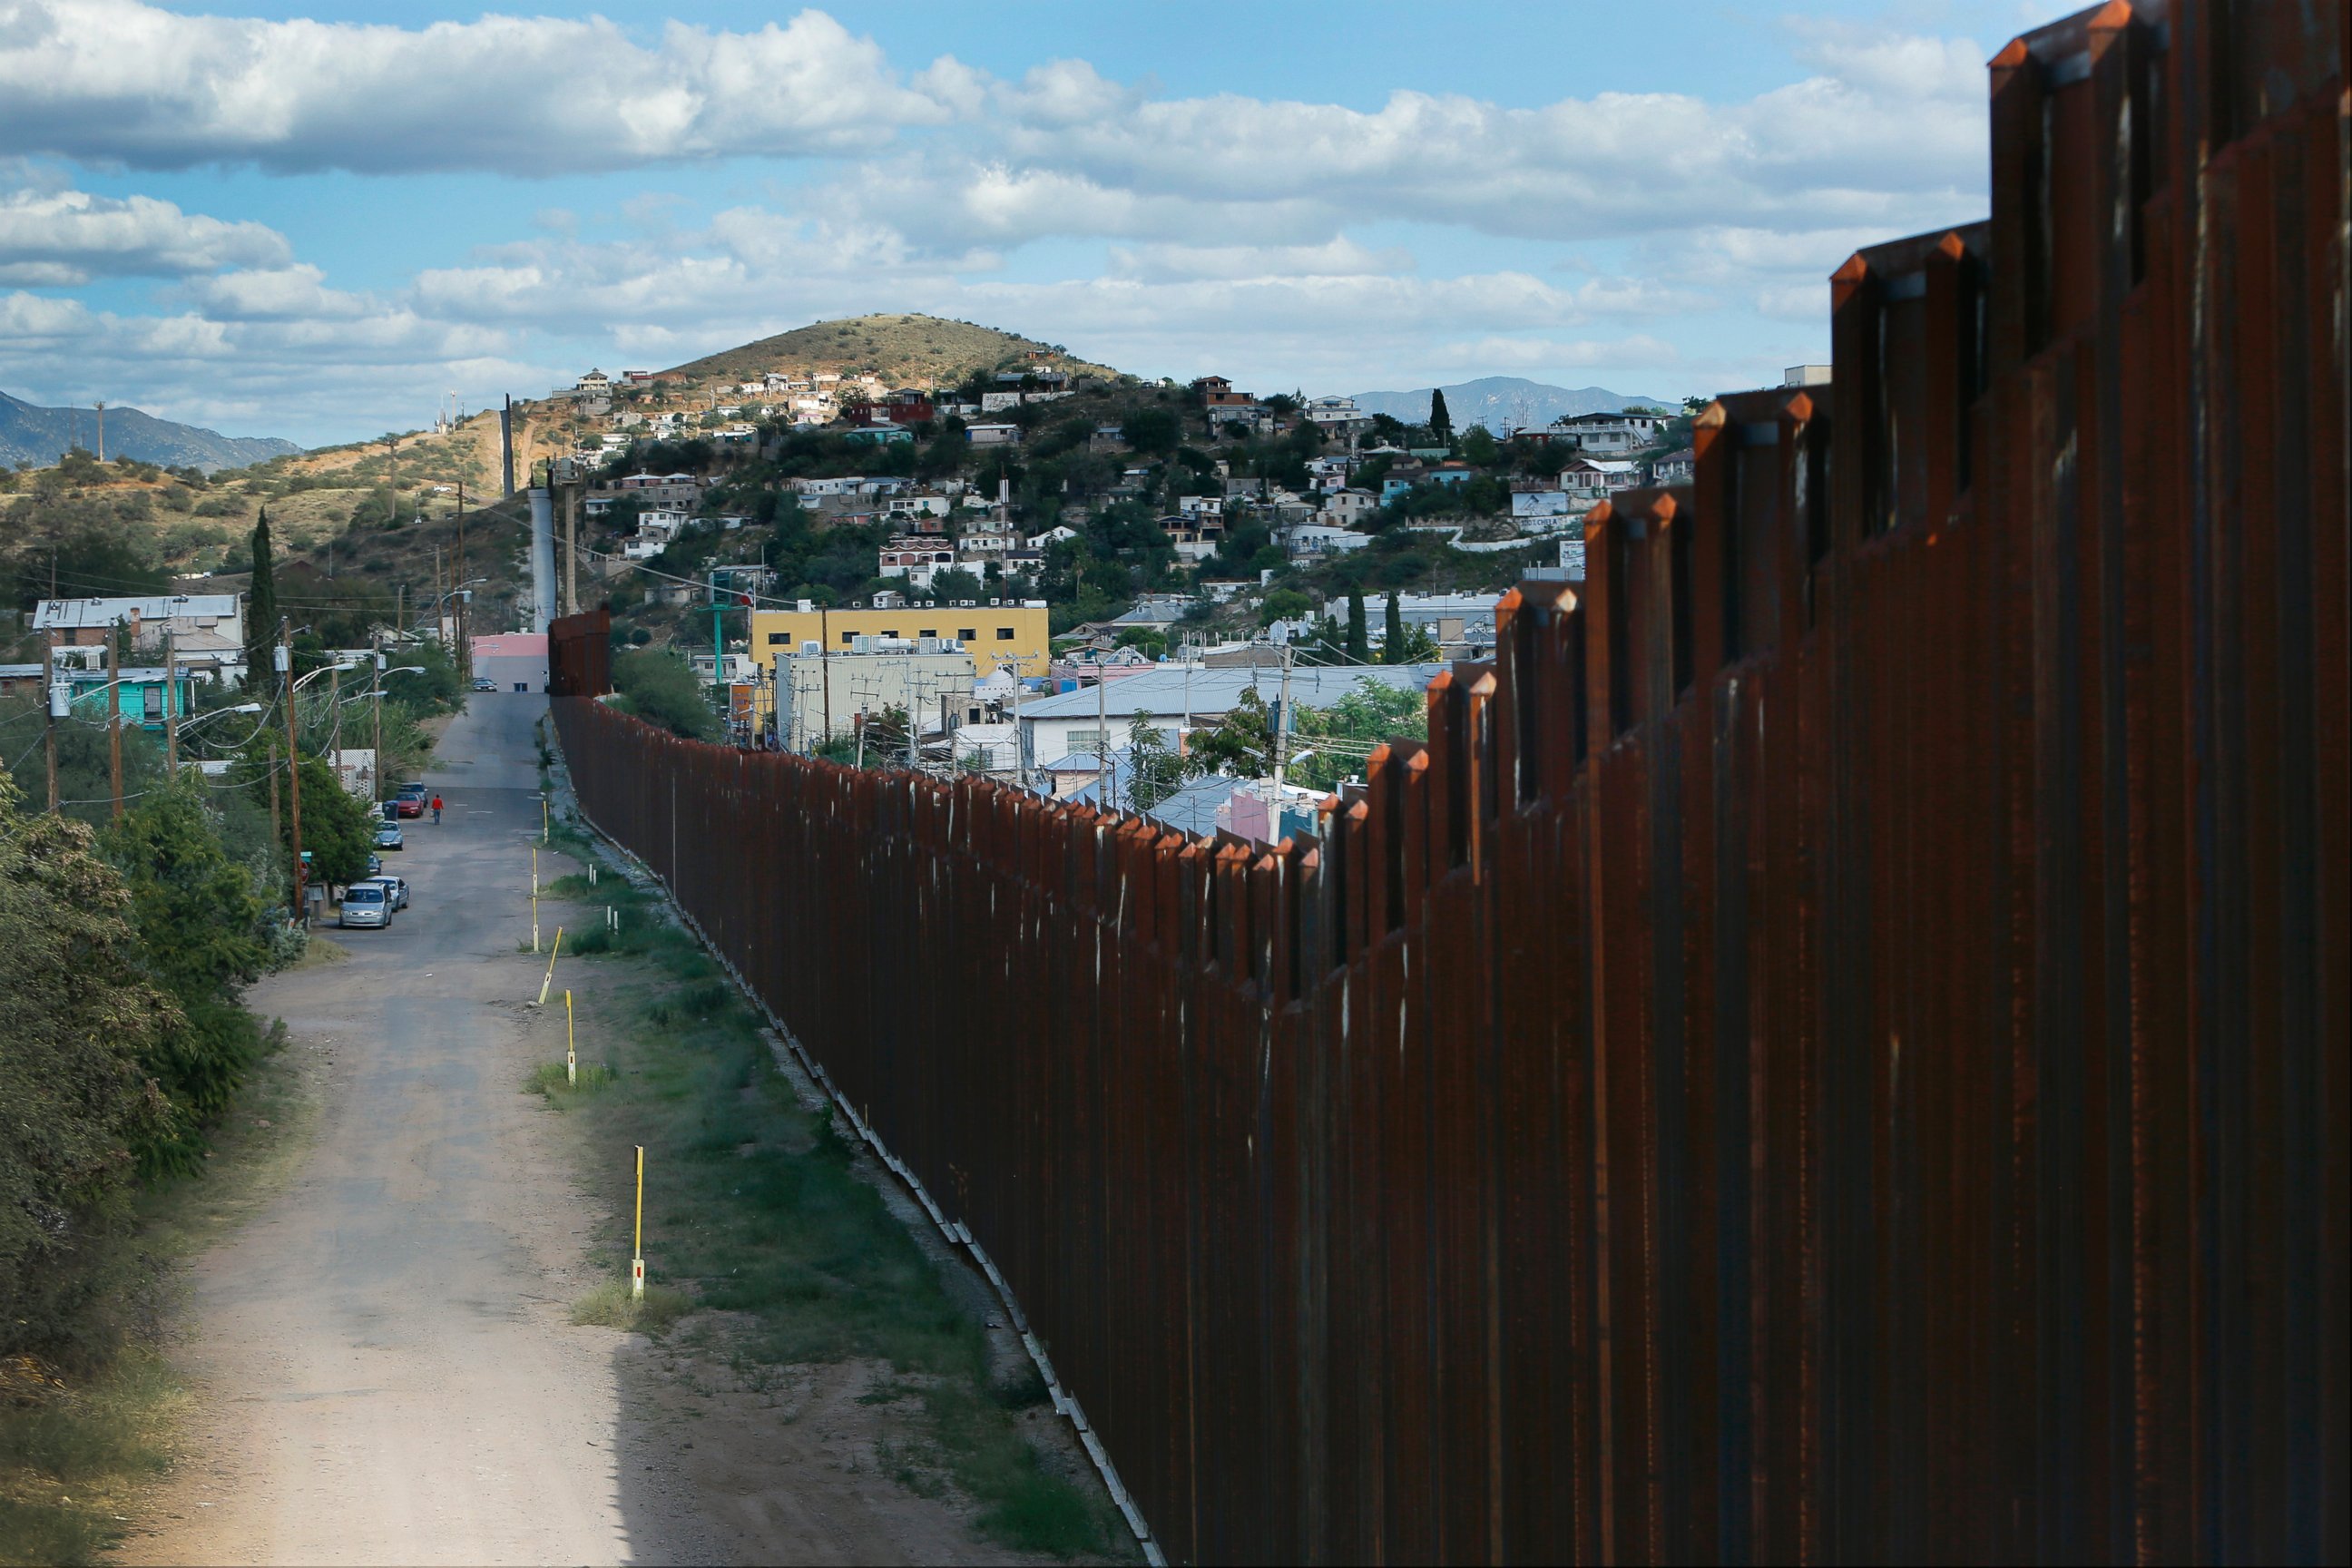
(384, 1364)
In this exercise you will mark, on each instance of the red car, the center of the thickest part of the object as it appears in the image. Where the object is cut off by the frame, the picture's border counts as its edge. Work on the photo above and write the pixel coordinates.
(412, 800)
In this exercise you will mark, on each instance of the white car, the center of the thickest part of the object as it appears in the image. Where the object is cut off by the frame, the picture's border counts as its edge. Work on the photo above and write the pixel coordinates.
(366, 904)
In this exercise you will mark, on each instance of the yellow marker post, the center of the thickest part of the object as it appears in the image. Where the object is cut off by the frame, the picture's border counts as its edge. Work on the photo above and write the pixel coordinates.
(637, 1262)
(543, 819)
(549, 978)
(571, 1057)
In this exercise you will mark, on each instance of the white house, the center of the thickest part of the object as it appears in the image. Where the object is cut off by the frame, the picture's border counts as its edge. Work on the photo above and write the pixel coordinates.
(992, 435)
(1337, 417)
(1596, 478)
(1612, 433)
(1347, 508)
(1319, 538)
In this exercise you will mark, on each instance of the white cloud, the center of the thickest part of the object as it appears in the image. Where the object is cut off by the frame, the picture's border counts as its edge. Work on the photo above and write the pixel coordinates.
(119, 79)
(51, 239)
(1254, 236)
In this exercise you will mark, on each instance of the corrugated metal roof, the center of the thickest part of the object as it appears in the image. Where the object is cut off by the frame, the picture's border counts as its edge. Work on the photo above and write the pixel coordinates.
(1215, 690)
(64, 613)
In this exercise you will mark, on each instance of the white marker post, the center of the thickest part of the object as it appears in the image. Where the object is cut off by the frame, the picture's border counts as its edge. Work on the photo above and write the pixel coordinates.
(637, 1262)
(549, 978)
(571, 1056)
(534, 898)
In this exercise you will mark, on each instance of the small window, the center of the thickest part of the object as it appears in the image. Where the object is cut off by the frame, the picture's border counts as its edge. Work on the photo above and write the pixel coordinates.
(1005, 633)
(777, 639)
(888, 632)
(967, 634)
(928, 632)
(848, 638)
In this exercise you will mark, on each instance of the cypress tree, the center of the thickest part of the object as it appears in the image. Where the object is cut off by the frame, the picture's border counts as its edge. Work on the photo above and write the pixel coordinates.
(1359, 646)
(1392, 649)
(261, 613)
(1441, 423)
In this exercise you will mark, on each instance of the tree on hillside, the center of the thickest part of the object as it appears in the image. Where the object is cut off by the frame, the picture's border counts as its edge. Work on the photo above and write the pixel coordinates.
(1152, 430)
(1441, 423)
(1392, 639)
(261, 611)
(1359, 646)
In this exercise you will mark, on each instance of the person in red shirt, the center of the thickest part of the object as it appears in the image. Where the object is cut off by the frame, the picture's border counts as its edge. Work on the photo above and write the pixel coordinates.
(436, 810)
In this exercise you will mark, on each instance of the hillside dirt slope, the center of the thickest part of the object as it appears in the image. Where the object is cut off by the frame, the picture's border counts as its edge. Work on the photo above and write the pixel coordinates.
(914, 350)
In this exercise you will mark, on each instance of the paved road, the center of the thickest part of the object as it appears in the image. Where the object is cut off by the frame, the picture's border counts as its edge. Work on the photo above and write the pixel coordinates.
(384, 1366)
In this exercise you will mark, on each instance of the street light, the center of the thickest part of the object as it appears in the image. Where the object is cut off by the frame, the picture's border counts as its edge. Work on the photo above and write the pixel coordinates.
(188, 724)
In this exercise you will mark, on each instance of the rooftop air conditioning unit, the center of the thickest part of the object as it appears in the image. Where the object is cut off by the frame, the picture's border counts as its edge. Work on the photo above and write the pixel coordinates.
(995, 603)
(810, 645)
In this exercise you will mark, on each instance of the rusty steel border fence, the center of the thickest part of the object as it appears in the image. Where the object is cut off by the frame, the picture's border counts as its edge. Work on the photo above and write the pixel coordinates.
(1835, 1047)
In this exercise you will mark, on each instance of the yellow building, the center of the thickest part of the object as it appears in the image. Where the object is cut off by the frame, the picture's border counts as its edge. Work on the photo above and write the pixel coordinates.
(993, 634)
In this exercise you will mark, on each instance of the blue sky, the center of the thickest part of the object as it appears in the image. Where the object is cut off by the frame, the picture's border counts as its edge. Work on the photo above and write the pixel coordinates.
(302, 221)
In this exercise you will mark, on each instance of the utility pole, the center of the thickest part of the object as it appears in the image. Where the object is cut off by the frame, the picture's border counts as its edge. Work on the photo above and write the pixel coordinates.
(114, 713)
(171, 702)
(375, 769)
(51, 692)
(293, 769)
(273, 783)
(825, 672)
(1020, 773)
(1281, 723)
(1102, 733)
(101, 429)
(457, 577)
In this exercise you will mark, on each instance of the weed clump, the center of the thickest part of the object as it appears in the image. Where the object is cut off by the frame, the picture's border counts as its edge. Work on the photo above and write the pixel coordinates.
(610, 1306)
(550, 1079)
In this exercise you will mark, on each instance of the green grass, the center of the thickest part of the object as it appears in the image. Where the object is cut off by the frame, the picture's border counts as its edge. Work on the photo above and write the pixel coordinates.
(71, 1455)
(610, 1306)
(551, 1080)
(754, 1208)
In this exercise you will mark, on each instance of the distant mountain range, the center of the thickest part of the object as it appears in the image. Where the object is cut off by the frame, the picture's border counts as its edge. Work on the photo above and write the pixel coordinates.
(42, 434)
(1500, 402)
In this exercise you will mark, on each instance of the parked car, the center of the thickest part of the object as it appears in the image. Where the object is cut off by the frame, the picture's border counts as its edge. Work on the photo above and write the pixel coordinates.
(412, 797)
(375, 865)
(483, 683)
(366, 904)
(387, 836)
(398, 886)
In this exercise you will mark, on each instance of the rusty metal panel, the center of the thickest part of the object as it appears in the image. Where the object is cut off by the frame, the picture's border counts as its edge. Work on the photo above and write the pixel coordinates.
(1834, 1048)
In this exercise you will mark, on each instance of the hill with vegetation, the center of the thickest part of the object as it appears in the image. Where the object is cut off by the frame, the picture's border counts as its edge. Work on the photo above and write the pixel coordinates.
(32, 434)
(910, 350)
